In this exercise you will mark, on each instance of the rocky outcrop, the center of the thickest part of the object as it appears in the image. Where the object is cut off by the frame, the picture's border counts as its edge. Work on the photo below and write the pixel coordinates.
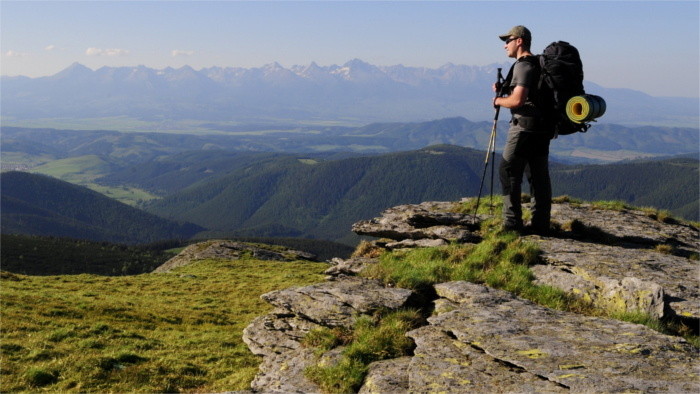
(426, 221)
(494, 341)
(231, 250)
(480, 339)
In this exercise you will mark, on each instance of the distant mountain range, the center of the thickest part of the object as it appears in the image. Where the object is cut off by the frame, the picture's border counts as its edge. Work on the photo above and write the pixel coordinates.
(353, 93)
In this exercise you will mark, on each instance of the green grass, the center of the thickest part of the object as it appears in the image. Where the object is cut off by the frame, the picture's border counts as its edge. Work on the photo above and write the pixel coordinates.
(79, 169)
(373, 338)
(83, 170)
(146, 333)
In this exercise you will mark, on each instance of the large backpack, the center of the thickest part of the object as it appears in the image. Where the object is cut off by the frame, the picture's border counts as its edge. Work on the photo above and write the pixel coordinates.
(561, 78)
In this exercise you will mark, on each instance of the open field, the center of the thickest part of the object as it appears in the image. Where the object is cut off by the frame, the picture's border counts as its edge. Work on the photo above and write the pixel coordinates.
(179, 331)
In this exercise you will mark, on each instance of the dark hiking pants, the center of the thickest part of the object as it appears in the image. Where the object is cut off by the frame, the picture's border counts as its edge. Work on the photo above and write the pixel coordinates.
(526, 153)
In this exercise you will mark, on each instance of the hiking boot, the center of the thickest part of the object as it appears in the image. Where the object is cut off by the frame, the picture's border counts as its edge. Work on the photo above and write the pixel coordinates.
(518, 228)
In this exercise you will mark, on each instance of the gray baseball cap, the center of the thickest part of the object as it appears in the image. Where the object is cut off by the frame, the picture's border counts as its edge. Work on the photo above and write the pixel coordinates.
(519, 32)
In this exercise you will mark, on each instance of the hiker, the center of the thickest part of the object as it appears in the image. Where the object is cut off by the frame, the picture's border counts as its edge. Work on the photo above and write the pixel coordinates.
(527, 145)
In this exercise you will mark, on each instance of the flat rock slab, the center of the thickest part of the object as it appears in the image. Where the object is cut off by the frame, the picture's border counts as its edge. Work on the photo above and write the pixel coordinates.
(631, 227)
(284, 373)
(338, 303)
(429, 220)
(580, 353)
(442, 363)
(387, 376)
(629, 278)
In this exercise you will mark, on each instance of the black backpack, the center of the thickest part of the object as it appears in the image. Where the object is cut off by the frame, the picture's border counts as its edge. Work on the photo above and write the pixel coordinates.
(561, 78)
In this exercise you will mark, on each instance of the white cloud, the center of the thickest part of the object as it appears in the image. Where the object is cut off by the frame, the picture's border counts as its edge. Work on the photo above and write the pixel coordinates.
(50, 47)
(106, 52)
(180, 52)
(12, 53)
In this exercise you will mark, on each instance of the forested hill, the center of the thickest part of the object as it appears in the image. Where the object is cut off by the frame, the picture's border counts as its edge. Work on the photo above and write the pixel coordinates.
(292, 195)
(296, 196)
(669, 184)
(41, 205)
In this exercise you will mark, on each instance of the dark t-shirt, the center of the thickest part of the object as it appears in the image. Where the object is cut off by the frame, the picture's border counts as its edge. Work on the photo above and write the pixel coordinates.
(524, 74)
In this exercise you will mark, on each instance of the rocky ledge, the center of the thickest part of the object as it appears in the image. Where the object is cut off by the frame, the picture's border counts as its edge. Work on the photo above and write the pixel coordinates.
(480, 339)
(231, 250)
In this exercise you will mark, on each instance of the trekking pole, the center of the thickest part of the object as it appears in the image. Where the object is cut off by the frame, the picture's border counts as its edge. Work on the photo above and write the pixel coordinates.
(491, 150)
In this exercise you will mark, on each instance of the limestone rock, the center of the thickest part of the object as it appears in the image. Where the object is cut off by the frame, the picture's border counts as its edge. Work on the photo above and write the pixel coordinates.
(230, 250)
(443, 363)
(631, 227)
(416, 243)
(584, 354)
(429, 220)
(284, 373)
(338, 303)
(351, 266)
(621, 278)
(276, 332)
(387, 376)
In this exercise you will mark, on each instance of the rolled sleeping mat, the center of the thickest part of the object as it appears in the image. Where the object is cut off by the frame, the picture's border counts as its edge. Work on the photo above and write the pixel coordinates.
(585, 108)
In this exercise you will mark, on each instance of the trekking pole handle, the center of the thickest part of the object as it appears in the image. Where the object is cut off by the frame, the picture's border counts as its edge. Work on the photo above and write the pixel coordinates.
(499, 87)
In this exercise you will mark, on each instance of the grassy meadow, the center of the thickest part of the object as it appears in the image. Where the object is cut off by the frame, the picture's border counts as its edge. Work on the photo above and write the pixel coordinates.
(172, 332)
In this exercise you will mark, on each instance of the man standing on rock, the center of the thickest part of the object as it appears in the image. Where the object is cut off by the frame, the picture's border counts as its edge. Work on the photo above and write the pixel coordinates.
(527, 145)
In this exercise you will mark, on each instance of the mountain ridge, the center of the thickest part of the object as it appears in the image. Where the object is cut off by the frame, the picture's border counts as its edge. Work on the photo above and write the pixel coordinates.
(352, 92)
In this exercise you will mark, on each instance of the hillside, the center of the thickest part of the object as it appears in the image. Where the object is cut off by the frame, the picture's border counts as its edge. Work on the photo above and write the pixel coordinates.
(41, 205)
(671, 184)
(294, 196)
(291, 195)
(149, 333)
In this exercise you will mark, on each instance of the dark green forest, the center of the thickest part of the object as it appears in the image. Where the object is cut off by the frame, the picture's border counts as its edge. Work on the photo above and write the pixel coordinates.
(307, 196)
(41, 205)
(670, 184)
(39, 255)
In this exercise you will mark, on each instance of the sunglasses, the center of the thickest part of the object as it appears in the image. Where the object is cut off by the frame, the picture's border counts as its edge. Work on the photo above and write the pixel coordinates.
(511, 39)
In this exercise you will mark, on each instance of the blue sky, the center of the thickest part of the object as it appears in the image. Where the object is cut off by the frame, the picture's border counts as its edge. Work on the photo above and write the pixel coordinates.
(652, 46)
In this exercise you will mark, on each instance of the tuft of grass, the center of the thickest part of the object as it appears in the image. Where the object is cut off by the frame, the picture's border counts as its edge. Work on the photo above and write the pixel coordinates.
(611, 205)
(373, 339)
(501, 260)
(661, 215)
(40, 377)
(566, 199)
(367, 249)
(175, 332)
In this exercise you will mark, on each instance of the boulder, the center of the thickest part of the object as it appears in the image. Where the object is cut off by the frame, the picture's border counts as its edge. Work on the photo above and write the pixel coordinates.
(429, 220)
(276, 333)
(339, 302)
